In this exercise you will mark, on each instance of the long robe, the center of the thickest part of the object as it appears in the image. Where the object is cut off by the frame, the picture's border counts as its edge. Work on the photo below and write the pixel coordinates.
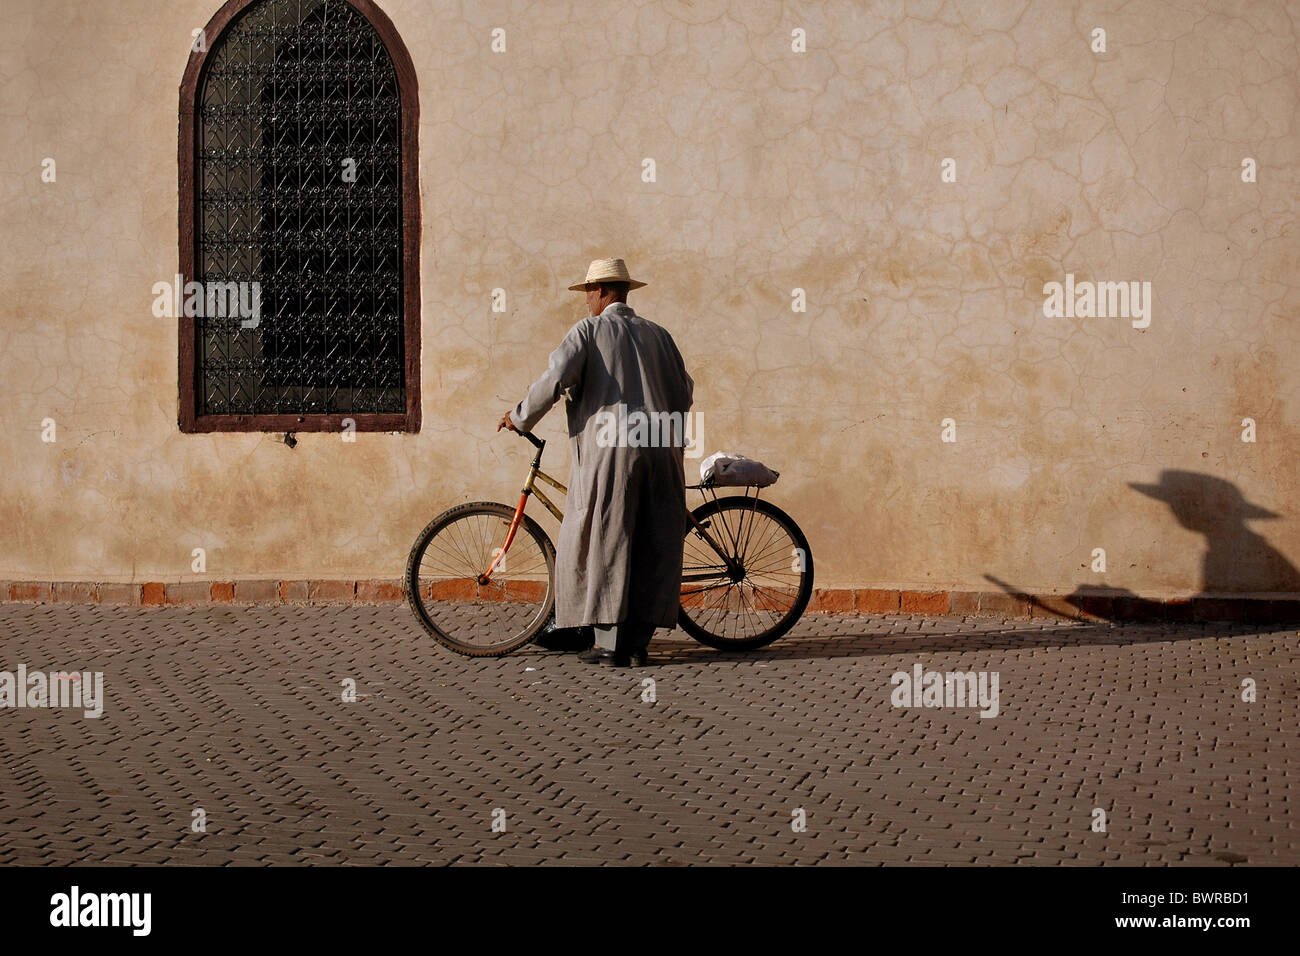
(619, 556)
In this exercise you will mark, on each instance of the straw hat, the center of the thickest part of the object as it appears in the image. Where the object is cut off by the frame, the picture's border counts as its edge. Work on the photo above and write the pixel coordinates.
(606, 270)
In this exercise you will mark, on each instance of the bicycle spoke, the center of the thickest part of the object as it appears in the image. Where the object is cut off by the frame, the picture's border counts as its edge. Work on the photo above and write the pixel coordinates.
(472, 617)
(771, 593)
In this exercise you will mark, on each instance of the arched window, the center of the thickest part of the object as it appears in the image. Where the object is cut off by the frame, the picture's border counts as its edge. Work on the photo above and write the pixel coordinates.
(299, 221)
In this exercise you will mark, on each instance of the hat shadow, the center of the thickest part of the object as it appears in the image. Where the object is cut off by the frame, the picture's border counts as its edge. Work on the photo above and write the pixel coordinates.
(1236, 559)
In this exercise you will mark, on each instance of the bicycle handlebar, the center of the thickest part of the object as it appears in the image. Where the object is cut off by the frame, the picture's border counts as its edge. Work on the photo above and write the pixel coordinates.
(537, 442)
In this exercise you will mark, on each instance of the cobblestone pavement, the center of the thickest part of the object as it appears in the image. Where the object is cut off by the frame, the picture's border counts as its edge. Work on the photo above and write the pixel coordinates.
(238, 711)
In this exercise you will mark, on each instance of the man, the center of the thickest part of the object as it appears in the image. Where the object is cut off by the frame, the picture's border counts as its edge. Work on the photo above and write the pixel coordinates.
(618, 563)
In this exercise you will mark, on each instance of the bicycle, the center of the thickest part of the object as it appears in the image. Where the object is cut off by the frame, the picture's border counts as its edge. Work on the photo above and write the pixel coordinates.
(476, 601)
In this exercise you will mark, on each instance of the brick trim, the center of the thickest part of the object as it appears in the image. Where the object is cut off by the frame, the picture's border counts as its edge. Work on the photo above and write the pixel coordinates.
(1121, 606)
(158, 593)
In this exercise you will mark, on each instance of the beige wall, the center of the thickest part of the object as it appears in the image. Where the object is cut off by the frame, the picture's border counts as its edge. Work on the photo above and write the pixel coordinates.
(775, 170)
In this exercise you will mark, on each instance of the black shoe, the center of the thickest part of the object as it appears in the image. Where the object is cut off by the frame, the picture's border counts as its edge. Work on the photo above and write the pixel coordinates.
(566, 638)
(629, 658)
(599, 655)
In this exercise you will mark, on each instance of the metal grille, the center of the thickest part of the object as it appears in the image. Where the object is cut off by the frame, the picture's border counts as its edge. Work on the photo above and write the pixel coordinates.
(292, 90)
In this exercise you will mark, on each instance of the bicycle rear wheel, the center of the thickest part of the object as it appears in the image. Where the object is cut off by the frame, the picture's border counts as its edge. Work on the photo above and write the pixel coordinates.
(765, 589)
(444, 589)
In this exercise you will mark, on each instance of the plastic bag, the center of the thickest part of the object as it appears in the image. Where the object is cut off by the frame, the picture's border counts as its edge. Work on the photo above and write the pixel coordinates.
(722, 468)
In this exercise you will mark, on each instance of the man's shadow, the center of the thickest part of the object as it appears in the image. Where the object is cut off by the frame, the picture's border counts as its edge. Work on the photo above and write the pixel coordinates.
(1236, 561)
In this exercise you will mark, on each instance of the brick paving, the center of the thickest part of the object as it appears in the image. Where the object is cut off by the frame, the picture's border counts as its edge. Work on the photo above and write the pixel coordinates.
(238, 711)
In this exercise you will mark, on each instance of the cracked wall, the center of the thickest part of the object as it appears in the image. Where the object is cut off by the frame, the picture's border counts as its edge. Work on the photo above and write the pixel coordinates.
(775, 170)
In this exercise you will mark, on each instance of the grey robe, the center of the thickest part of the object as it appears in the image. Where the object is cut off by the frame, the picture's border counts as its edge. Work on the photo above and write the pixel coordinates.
(619, 557)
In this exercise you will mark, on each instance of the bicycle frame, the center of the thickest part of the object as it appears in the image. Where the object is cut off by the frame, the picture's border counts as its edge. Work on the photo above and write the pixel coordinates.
(530, 488)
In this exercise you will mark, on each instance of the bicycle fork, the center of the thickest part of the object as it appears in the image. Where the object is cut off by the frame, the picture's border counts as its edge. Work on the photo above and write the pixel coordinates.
(530, 488)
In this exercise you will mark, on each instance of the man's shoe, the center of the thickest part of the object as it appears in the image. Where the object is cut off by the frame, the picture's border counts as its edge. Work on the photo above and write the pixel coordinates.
(599, 655)
(630, 659)
(565, 638)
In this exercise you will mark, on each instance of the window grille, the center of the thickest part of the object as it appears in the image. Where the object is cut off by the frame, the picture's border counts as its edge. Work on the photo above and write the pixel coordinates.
(298, 178)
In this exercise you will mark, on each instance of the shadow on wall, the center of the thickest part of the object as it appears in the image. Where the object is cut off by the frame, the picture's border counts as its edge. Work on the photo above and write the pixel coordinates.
(1236, 559)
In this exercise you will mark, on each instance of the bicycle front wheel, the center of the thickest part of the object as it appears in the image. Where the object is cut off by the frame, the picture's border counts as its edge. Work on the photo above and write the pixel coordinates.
(444, 587)
(755, 594)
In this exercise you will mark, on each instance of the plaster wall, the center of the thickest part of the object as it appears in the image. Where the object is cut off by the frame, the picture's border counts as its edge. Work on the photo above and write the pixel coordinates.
(775, 170)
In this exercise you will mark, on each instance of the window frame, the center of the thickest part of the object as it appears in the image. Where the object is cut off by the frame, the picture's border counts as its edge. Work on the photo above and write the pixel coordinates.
(187, 150)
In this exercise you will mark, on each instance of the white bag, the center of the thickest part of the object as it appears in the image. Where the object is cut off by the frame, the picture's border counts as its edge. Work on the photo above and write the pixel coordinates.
(723, 468)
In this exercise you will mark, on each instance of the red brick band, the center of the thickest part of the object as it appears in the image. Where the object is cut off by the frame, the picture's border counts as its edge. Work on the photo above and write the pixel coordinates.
(1121, 607)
